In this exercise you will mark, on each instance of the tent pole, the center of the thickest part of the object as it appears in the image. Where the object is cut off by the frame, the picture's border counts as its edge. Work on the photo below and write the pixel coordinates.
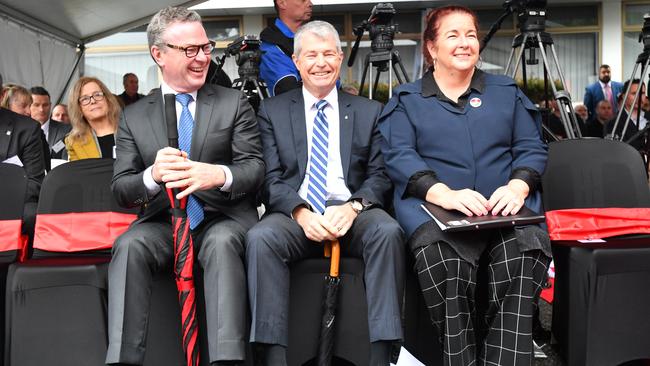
(82, 51)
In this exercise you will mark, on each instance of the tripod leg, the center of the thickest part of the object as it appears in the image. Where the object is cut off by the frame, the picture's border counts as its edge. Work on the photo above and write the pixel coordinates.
(627, 93)
(376, 83)
(567, 114)
(636, 97)
(398, 60)
(522, 48)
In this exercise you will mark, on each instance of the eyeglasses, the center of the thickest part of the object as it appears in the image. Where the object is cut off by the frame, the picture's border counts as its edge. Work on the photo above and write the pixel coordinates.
(97, 96)
(193, 50)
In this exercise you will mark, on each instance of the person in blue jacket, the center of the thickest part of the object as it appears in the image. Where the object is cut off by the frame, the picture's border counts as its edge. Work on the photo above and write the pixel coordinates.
(469, 141)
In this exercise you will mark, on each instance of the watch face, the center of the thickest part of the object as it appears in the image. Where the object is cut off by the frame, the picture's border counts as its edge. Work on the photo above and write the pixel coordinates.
(357, 205)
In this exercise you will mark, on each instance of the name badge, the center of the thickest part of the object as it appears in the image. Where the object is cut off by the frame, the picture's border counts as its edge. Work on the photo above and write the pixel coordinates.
(58, 146)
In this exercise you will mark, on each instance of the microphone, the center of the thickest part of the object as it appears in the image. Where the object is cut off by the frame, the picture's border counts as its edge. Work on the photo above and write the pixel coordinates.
(170, 120)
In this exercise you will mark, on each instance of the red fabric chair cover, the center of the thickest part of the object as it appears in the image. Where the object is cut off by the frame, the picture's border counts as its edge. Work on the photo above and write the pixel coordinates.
(597, 223)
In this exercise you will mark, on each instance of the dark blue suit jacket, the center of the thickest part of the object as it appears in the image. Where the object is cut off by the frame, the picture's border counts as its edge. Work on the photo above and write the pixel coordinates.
(282, 126)
(478, 147)
(594, 94)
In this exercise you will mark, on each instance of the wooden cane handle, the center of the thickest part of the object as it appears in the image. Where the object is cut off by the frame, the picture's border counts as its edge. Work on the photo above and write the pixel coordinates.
(327, 249)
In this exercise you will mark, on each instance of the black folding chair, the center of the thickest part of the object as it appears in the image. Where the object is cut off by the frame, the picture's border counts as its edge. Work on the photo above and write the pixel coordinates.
(13, 187)
(56, 306)
(601, 306)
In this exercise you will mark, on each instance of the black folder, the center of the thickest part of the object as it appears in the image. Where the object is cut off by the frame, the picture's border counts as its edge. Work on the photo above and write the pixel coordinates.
(452, 220)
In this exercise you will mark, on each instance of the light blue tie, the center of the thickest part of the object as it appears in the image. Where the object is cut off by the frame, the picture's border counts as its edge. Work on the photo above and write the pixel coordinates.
(317, 188)
(185, 126)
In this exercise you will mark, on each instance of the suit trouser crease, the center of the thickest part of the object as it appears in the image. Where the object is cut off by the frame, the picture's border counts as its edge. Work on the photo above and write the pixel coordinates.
(278, 240)
(147, 248)
(503, 336)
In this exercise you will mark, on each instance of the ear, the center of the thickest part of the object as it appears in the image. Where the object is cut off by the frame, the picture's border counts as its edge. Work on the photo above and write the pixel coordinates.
(432, 49)
(156, 54)
(296, 61)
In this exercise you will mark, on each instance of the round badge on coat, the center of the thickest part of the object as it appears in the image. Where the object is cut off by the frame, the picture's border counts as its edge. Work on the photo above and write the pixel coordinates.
(475, 102)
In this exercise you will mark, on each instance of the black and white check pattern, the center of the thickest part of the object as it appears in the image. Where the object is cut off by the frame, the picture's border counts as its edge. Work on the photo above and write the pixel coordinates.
(503, 335)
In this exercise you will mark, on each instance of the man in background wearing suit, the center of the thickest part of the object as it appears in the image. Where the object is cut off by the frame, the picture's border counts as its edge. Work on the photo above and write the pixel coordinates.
(325, 180)
(220, 174)
(21, 144)
(54, 131)
(604, 88)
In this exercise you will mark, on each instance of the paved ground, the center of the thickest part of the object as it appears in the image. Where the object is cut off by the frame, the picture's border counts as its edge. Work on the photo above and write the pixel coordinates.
(543, 338)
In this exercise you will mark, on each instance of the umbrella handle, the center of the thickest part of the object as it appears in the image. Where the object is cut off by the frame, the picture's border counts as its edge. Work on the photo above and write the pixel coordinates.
(327, 249)
(336, 257)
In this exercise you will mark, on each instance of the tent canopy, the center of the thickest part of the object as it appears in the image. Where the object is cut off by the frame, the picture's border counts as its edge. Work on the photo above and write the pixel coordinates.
(83, 21)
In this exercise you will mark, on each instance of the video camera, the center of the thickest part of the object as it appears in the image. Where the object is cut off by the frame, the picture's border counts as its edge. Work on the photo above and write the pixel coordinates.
(644, 37)
(531, 14)
(380, 27)
(247, 53)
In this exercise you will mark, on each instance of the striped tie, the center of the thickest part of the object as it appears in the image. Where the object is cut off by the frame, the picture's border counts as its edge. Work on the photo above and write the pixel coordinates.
(185, 126)
(317, 189)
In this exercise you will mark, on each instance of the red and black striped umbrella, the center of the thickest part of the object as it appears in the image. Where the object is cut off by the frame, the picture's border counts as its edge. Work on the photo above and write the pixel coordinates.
(183, 271)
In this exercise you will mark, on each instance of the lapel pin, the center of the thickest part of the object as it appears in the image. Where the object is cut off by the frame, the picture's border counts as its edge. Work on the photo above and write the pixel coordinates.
(9, 132)
(346, 116)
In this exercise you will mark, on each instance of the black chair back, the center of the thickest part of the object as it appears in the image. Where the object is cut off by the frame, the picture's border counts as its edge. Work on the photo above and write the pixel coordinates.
(594, 173)
(77, 211)
(13, 187)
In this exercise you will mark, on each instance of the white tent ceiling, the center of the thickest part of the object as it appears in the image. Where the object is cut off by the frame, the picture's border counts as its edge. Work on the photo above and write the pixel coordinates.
(83, 21)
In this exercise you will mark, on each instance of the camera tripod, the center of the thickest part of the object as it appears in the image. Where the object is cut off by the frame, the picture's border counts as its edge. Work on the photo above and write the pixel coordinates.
(382, 56)
(533, 37)
(383, 61)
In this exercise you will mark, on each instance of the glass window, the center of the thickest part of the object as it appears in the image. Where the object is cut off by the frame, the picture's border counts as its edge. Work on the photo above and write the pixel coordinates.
(338, 21)
(632, 48)
(572, 16)
(222, 29)
(634, 13)
(487, 17)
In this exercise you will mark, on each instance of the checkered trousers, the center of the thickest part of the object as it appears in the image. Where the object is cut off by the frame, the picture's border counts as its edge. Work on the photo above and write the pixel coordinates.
(501, 333)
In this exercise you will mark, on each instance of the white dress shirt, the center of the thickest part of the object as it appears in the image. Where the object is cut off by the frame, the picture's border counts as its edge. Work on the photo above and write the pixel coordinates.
(147, 177)
(46, 129)
(336, 188)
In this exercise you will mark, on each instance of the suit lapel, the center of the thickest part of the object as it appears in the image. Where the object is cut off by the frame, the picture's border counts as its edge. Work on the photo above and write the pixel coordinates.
(6, 130)
(156, 113)
(299, 128)
(202, 121)
(51, 134)
(346, 123)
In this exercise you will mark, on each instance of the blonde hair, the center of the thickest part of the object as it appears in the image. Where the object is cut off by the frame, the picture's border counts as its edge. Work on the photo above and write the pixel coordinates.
(10, 94)
(80, 126)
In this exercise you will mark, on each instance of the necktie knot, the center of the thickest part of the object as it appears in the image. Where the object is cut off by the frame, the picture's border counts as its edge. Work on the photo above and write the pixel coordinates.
(321, 104)
(184, 99)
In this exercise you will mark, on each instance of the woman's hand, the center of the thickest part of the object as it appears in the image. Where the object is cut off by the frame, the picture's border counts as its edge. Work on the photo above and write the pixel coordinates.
(509, 199)
(466, 201)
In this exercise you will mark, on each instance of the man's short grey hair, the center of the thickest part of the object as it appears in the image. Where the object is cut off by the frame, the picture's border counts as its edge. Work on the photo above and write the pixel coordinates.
(319, 28)
(159, 22)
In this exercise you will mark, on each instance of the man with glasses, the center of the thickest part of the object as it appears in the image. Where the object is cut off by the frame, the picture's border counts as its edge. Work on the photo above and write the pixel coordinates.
(219, 167)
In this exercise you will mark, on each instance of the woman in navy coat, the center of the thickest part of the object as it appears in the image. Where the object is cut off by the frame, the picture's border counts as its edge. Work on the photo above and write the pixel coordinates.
(469, 141)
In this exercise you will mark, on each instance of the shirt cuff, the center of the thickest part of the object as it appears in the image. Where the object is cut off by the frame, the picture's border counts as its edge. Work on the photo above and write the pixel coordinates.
(149, 183)
(228, 183)
(529, 176)
(420, 182)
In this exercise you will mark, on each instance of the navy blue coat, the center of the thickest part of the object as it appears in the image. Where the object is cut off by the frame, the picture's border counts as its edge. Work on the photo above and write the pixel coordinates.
(478, 147)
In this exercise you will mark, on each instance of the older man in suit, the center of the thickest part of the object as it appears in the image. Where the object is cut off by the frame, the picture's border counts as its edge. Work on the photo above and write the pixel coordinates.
(325, 180)
(219, 174)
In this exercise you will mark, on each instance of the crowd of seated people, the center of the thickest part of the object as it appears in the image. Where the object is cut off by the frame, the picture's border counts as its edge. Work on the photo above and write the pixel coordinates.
(320, 180)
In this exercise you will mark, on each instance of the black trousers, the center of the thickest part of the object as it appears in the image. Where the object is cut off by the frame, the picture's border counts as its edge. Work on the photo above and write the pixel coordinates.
(500, 334)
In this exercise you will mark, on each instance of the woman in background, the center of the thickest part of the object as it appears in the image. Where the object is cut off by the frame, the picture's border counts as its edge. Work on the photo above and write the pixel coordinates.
(17, 99)
(469, 141)
(94, 115)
